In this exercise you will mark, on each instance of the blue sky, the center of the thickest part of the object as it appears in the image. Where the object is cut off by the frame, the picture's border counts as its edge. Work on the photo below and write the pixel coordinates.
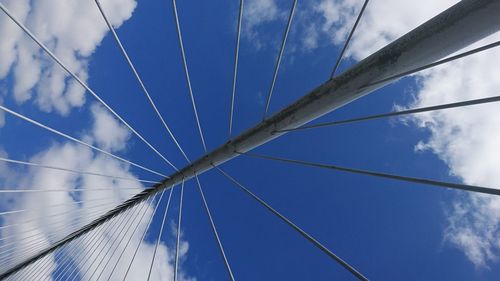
(388, 230)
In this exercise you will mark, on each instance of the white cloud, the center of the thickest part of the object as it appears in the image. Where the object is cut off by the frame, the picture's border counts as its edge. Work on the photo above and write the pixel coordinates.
(257, 15)
(53, 223)
(72, 30)
(330, 21)
(27, 72)
(49, 220)
(465, 139)
(473, 226)
(108, 133)
(11, 34)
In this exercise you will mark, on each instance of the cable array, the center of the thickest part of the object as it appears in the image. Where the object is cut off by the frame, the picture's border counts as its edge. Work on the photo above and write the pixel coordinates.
(92, 239)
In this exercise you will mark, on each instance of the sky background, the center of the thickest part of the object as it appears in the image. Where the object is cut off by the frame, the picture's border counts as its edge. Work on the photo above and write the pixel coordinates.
(387, 230)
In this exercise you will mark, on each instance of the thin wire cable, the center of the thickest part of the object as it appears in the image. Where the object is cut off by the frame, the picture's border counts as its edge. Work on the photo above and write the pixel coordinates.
(31, 220)
(341, 55)
(63, 190)
(54, 230)
(13, 246)
(178, 236)
(212, 224)
(7, 256)
(50, 207)
(31, 239)
(36, 268)
(49, 268)
(60, 257)
(32, 267)
(65, 263)
(399, 113)
(128, 242)
(417, 110)
(112, 226)
(280, 56)
(15, 276)
(34, 220)
(136, 199)
(84, 237)
(67, 260)
(143, 236)
(295, 227)
(27, 252)
(23, 252)
(186, 71)
(30, 248)
(45, 268)
(12, 161)
(10, 213)
(75, 139)
(5, 261)
(95, 210)
(139, 79)
(119, 239)
(160, 233)
(235, 67)
(124, 220)
(80, 81)
(465, 187)
(8, 237)
(82, 242)
(65, 213)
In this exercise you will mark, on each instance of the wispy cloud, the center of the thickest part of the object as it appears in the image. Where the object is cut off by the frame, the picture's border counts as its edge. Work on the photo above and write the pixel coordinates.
(107, 132)
(466, 139)
(259, 14)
